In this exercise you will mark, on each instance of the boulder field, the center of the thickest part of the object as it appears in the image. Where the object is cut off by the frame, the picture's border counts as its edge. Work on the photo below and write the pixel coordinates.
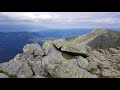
(93, 55)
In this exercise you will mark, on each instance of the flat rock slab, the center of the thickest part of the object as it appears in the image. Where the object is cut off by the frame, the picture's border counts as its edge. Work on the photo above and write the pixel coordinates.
(76, 48)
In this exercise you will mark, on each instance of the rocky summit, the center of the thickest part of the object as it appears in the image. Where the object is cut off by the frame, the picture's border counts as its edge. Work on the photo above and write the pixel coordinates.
(93, 55)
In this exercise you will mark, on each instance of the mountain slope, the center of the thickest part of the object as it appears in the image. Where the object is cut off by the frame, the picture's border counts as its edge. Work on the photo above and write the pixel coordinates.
(100, 38)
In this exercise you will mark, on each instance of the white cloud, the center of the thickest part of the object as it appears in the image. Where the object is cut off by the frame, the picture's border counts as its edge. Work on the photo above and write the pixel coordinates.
(62, 19)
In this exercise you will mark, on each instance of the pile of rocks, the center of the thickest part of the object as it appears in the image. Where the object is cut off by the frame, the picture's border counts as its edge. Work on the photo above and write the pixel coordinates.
(48, 61)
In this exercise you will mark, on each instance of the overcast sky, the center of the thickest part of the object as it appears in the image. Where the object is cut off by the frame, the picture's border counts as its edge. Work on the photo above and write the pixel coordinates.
(63, 19)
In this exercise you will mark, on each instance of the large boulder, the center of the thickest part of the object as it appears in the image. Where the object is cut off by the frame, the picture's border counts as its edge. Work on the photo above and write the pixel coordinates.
(33, 49)
(76, 48)
(59, 67)
(48, 46)
(59, 43)
(25, 71)
(39, 69)
(28, 58)
(13, 67)
(24, 57)
(82, 62)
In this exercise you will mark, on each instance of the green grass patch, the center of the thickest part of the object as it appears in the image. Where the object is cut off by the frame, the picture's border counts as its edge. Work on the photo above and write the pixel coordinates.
(99, 46)
(71, 38)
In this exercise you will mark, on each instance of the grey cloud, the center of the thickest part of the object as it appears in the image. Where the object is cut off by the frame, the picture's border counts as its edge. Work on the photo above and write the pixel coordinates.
(62, 19)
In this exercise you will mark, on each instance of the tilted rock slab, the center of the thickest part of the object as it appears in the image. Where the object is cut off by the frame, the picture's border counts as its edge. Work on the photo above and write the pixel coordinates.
(76, 48)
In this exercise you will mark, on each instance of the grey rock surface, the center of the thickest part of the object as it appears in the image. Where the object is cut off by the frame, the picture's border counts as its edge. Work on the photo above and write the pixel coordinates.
(37, 76)
(33, 48)
(110, 73)
(48, 46)
(3, 75)
(39, 69)
(76, 48)
(13, 67)
(25, 71)
(82, 62)
(59, 43)
(114, 51)
(3, 66)
(59, 67)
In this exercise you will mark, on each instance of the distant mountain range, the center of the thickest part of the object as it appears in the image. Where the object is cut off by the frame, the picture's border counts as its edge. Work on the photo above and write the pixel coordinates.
(19, 28)
(12, 42)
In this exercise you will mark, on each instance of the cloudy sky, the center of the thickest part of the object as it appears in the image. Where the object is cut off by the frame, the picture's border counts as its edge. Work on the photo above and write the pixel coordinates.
(62, 19)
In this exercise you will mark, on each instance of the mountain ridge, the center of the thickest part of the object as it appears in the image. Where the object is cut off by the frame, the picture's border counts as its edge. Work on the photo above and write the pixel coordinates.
(67, 59)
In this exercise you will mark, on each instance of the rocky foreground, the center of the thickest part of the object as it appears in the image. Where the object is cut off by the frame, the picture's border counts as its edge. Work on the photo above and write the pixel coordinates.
(93, 55)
